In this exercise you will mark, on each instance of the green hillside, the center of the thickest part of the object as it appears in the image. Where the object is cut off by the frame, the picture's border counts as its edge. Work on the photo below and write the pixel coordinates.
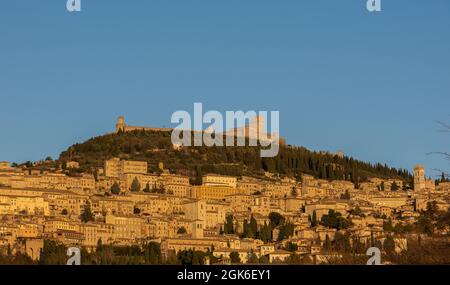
(155, 147)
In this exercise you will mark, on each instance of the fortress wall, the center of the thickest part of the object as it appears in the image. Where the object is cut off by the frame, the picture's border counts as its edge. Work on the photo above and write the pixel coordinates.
(134, 128)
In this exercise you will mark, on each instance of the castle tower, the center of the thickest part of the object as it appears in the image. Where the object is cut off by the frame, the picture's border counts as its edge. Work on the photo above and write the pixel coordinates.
(419, 177)
(120, 126)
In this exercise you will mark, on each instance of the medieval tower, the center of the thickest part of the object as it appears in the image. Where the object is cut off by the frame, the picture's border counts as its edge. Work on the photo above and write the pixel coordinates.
(419, 178)
(120, 126)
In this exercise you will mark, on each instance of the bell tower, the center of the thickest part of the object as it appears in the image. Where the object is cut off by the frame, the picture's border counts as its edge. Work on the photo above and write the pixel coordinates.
(419, 178)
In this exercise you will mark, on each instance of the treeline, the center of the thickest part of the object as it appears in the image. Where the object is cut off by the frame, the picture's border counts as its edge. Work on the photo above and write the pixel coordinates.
(154, 147)
(430, 221)
(332, 220)
(55, 253)
(444, 179)
(328, 166)
(345, 250)
(251, 229)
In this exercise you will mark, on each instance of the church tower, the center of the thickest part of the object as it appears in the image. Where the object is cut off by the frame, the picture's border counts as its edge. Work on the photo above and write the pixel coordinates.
(120, 126)
(419, 178)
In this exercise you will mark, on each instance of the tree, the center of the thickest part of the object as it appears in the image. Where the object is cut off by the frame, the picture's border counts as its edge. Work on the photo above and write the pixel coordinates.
(235, 258)
(335, 220)
(294, 192)
(53, 253)
(135, 185)
(152, 253)
(115, 189)
(342, 242)
(357, 212)
(425, 225)
(291, 247)
(394, 186)
(327, 243)
(314, 219)
(299, 259)
(382, 186)
(345, 196)
(229, 225)
(389, 245)
(253, 227)
(286, 231)
(265, 233)
(252, 258)
(276, 219)
(147, 188)
(87, 215)
(190, 257)
(387, 226)
(181, 231)
(99, 245)
(432, 210)
(264, 259)
(444, 219)
(246, 228)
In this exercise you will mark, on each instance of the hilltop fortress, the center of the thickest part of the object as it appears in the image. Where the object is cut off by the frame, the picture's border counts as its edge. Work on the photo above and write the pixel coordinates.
(254, 127)
(121, 126)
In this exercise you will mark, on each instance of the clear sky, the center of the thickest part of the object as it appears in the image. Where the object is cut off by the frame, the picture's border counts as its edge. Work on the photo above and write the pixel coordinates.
(373, 84)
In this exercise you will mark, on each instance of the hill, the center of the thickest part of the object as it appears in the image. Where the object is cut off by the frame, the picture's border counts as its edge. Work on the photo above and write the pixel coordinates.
(156, 146)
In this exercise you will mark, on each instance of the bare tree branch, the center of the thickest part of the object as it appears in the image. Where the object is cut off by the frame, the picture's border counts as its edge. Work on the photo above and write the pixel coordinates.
(445, 154)
(445, 126)
(440, 171)
(445, 129)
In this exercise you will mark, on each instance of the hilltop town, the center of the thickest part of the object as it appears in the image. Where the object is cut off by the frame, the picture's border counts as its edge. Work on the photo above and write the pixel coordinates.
(130, 212)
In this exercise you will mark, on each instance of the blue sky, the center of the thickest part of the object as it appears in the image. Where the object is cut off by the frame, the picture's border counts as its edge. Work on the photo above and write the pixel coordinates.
(341, 77)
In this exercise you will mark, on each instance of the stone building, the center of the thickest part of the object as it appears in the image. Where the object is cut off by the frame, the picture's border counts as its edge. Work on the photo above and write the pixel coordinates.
(419, 178)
